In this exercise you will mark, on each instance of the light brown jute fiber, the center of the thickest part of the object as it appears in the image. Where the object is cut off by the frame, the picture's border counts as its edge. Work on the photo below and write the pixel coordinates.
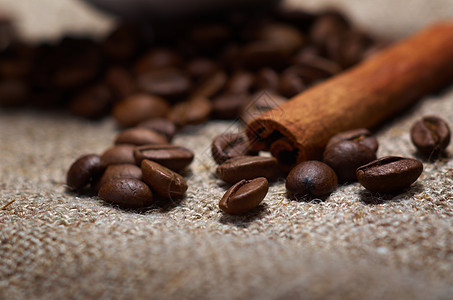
(353, 245)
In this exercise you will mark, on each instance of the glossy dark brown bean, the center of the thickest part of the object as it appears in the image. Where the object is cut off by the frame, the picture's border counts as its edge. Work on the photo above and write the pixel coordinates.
(229, 145)
(168, 83)
(345, 157)
(162, 180)
(126, 192)
(389, 174)
(162, 126)
(431, 135)
(140, 136)
(244, 196)
(311, 177)
(158, 58)
(173, 157)
(139, 107)
(119, 154)
(191, 112)
(361, 135)
(229, 105)
(85, 169)
(93, 103)
(247, 167)
(118, 171)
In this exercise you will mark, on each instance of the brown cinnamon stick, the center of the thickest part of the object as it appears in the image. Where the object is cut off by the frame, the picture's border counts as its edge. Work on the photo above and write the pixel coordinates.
(360, 97)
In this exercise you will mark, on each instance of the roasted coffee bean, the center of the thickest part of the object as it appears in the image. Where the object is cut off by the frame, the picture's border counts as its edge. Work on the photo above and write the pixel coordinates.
(118, 171)
(431, 135)
(345, 157)
(126, 192)
(162, 180)
(311, 177)
(167, 83)
(229, 145)
(247, 167)
(201, 67)
(173, 157)
(361, 135)
(290, 85)
(211, 85)
(244, 196)
(120, 81)
(229, 105)
(319, 66)
(389, 174)
(157, 59)
(119, 154)
(328, 25)
(267, 79)
(139, 107)
(160, 125)
(260, 102)
(191, 112)
(140, 136)
(123, 42)
(240, 82)
(83, 171)
(93, 103)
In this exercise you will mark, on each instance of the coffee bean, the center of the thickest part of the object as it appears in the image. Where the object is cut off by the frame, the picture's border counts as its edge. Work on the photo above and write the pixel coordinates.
(162, 180)
(389, 174)
(345, 157)
(361, 135)
(123, 42)
(158, 58)
(83, 171)
(160, 125)
(260, 102)
(167, 83)
(267, 79)
(247, 167)
(201, 67)
(320, 66)
(211, 85)
(118, 171)
(173, 157)
(119, 154)
(329, 24)
(244, 196)
(120, 81)
(93, 103)
(140, 136)
(126, 192)
(311, 177)
(192, 112)
(291, 84)
(431, 135)
(229, 105)
(240, 82)
(139, 107)
(229, 145)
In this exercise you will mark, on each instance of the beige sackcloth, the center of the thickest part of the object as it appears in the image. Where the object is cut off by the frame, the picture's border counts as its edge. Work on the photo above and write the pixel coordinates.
(354, 245)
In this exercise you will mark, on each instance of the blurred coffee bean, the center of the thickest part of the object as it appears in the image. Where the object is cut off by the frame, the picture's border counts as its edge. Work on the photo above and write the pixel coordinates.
(329, 24)
(140, 136)
(309, 59)
(431, 135)
(92, 103)
(210, 36)
(168, 83)
(360, 135)
(229, 145)
(267, 79)
(123, 43)
(240, 82)
(211, 85)
(349, 48)
(291, 84)
(118, 154)
(260, 102)
(201, 67)
(162, 126)
(137, 108)
(229, 105)
(191, 112)
(173, 157)
(158, 58)
(120, 81)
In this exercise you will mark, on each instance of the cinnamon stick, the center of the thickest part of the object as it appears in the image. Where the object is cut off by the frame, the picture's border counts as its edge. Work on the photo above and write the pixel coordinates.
(363, 96)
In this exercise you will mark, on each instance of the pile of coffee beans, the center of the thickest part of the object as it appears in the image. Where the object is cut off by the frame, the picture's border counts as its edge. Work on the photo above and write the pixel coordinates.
(348, 157)
(185, 70)
(141, 166)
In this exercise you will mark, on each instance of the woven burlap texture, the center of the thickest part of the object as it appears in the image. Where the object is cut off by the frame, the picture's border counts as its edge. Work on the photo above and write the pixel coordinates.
(353, 245)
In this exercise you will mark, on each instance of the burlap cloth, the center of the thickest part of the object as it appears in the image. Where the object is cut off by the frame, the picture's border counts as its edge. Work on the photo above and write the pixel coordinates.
(353, 245)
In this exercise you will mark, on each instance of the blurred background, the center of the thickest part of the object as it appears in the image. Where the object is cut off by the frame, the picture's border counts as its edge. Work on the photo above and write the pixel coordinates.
(389, 18)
